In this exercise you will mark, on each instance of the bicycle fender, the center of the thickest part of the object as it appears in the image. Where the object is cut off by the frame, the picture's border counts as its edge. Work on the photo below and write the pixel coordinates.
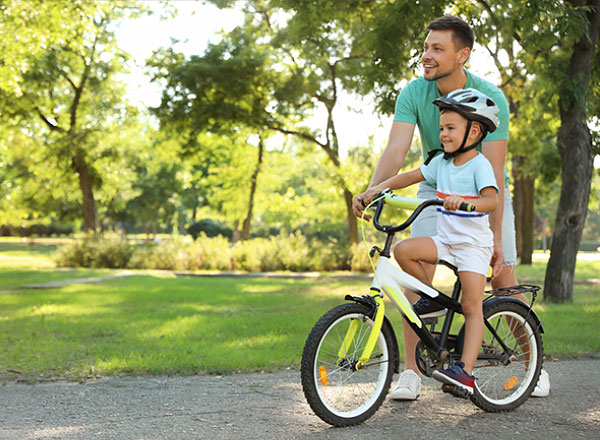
(370, 302)
(496, 299)
(395, 356)
(365, 300)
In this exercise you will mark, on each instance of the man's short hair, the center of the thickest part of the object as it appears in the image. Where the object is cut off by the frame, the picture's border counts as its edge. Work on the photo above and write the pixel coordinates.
(462, 34)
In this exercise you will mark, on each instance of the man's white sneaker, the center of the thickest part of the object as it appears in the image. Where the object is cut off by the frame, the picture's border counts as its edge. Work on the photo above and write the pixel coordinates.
(542, 389)
(408, 386)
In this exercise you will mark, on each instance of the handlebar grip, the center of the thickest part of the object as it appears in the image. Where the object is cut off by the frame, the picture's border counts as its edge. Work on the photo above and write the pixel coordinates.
(467, 207)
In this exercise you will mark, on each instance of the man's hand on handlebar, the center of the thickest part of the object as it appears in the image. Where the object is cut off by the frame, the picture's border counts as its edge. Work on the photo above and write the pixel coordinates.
(361, 201)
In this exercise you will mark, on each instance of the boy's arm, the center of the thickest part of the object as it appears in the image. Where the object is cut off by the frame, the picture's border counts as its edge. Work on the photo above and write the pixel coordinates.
(487, 201)
(397, 182)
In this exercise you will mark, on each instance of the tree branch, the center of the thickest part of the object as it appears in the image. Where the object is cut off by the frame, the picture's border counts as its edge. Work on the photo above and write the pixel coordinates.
(300, 134)
(49, 123)
(66, 76)
(85, 76)
(496, 21)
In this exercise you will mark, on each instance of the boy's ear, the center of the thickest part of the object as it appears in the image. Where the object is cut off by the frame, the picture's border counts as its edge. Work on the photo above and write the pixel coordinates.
(476, 129)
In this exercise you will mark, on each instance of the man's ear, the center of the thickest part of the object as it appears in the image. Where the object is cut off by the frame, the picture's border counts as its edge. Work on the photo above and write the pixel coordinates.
(463, 55)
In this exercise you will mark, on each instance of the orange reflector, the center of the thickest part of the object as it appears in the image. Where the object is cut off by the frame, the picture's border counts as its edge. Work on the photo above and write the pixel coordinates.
(323, 377)
(510, 383)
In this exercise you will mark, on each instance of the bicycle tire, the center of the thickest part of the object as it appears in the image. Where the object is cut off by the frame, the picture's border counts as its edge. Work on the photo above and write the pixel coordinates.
(336, 392)
(504, 386)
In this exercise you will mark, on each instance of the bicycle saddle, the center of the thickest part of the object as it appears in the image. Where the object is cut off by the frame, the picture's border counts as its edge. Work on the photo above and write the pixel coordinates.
(450, 262)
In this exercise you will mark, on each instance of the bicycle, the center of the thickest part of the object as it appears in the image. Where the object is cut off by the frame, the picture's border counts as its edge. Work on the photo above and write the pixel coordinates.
(351, 354)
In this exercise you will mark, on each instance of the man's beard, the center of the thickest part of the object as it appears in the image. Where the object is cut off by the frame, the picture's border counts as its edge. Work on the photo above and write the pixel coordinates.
(439, 75)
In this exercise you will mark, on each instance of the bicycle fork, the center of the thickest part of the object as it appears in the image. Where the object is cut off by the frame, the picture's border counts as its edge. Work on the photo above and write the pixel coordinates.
(373, 334)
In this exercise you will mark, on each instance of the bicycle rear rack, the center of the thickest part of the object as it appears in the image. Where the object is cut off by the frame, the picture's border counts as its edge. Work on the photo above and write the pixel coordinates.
(515, 290)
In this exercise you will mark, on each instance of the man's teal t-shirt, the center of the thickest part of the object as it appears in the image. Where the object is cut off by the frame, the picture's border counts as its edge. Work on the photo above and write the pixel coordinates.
(415, 106)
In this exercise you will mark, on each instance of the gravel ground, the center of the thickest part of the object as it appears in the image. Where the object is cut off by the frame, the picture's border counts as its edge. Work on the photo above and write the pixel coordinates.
(272, 406)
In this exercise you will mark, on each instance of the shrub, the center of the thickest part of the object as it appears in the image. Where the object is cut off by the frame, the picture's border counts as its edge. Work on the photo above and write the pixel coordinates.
(209, 254)
(165, 255)
(293, 252)
(39, 230)
(360, 258)
(332, 255)
(251, 255)
(95, 252)
(284, 252)
(210, 228)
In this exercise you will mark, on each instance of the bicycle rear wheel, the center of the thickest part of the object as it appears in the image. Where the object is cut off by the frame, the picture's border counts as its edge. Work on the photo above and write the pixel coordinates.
(510, 360)
(337, 392)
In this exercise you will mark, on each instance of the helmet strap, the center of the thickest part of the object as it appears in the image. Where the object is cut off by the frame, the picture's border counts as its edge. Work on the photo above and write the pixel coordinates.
(462, 148)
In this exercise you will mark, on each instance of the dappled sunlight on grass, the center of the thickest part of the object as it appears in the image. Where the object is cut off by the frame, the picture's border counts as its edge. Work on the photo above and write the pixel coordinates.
(26, 262)
(176, 328)
(151, 324)
(255, 341)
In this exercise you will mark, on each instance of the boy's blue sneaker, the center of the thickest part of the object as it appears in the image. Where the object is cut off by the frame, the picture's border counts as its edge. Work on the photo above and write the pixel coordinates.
(428, 309)
(455, 375)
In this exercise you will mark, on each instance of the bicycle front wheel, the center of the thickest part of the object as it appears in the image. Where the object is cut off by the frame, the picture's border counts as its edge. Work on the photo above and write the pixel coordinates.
(510, 360)
(336, 391)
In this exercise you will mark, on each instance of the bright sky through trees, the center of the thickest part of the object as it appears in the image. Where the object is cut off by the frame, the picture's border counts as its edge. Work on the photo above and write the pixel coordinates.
(197, 24)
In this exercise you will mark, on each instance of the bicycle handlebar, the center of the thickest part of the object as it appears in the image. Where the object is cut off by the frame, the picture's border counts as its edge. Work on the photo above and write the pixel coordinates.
(417, 205)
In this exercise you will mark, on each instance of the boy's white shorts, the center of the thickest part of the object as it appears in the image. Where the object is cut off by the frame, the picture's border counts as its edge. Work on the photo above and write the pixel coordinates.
(468, 258)
(425, 225)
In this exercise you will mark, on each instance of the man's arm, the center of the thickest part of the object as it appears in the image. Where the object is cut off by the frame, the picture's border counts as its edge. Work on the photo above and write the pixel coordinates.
(495, 152)
(390, 161)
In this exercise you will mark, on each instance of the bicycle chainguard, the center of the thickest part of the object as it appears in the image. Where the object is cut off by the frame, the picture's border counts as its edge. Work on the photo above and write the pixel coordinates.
(456, 391)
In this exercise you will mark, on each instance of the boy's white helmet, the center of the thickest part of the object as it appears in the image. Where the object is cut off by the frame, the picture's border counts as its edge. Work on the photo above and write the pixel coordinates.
(473, 105)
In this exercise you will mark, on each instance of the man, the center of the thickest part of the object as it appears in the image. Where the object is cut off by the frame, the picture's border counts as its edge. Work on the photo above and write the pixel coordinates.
(446, 49)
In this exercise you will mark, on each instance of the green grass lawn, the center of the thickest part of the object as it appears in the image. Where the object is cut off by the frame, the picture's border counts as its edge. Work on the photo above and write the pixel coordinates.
(20, 255)
(22, 264)
(149, 324)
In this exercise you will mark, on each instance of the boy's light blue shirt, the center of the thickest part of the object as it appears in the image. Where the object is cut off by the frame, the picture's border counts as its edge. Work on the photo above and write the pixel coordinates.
(467, 181)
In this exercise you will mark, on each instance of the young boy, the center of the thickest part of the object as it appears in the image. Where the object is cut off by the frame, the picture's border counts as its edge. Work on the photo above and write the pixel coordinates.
(461, 175)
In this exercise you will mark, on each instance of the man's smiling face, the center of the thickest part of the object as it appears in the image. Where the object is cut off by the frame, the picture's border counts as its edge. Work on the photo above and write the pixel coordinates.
(440, 56)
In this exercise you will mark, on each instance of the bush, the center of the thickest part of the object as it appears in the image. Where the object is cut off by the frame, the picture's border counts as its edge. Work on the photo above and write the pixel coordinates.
(360, 258)
(95, 252)
(209, 254)
(284, 252)
(38, 230)
(210, 228)
(166, 254)
(329, 255)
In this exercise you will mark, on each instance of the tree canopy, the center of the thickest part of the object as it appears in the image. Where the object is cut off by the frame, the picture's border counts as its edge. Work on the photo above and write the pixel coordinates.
(248, 128)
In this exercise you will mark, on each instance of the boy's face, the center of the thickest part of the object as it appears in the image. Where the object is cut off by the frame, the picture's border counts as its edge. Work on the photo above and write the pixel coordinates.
(440, 56)
(453, 126)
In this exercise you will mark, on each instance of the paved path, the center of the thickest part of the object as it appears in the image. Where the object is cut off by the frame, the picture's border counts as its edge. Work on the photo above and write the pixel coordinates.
(272, 406)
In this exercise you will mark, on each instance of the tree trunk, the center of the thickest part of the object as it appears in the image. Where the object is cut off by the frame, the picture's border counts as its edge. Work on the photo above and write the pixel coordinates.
(575, 148)
(352, 222)
(90, 214)
(253, 182)
(524, 212)
(235, 237)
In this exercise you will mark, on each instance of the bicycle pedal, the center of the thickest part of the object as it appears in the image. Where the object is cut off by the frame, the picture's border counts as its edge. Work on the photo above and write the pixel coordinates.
(456, 391)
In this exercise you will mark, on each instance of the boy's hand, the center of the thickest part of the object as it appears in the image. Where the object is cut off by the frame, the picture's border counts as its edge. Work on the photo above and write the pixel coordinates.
(452, 203)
